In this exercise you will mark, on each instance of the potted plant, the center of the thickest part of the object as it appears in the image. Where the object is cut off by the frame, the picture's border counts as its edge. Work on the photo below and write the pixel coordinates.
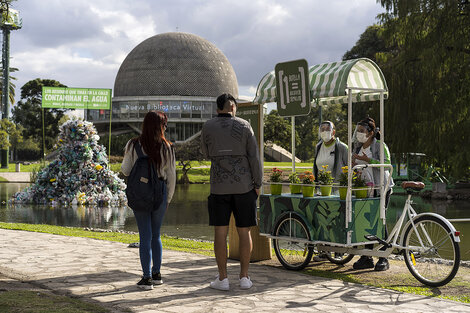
(276, 174)
(294, 179)
(360, 184)
(308, 179)
(326, 180)
(343, 183)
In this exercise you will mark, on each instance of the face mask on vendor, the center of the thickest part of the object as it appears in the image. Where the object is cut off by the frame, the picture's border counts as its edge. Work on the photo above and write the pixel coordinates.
(326, 136)
(362, 134)
(361, 137)
(326, 131)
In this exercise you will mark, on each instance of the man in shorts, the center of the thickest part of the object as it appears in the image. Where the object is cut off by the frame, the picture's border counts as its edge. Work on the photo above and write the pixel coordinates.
(236, 175)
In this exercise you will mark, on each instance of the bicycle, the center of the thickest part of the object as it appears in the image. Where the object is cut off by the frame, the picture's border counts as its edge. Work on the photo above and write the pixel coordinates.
(428, 242)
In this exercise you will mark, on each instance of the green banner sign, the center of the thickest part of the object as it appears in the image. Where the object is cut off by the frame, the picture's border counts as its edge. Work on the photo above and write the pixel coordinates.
(76, 98)
(292, 88)
(251, 114)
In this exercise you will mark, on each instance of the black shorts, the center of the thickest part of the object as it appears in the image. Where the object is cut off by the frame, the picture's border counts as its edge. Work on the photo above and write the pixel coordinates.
(242, 205)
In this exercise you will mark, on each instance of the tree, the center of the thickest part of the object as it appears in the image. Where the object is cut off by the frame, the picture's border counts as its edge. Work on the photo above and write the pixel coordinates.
(277, 129)
(28, 114)
(369, 44)
(11, 93)
(185, 153)
(426, 67)
(9, 135)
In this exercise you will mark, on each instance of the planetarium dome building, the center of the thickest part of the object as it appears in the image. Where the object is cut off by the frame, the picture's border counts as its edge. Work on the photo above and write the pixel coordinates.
(178, 73)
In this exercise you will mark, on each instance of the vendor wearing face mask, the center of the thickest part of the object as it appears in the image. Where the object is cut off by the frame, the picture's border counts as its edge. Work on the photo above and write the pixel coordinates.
(367, 151)
(330, 151)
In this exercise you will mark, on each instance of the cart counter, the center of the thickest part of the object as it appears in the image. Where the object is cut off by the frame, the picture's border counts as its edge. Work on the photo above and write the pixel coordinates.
(325, 217)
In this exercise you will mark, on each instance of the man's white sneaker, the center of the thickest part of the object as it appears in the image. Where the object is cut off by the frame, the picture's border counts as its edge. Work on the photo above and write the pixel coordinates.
(245, 283)
(220, 284)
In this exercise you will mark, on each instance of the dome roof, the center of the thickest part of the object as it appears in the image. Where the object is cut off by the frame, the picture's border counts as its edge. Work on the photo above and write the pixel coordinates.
(175, 64)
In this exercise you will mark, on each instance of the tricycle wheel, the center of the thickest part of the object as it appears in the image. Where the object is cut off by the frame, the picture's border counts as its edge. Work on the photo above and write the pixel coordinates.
(292, 248)
(339, 258)
(431, 254)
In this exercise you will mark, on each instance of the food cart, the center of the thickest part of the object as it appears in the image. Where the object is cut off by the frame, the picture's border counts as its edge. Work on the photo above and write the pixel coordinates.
(299, 225)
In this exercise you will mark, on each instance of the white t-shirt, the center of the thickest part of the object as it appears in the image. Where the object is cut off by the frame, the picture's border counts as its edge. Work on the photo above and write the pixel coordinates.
(326, 156)
(366, 172)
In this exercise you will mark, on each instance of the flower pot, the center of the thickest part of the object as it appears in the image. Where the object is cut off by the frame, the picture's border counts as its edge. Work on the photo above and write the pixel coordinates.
(361, 193)
(325, 190)
(343, 190)
(308, 191)
(276, 189)
(295, 189)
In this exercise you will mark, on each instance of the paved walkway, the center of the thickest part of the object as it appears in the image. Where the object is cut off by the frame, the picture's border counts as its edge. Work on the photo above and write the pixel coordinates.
(107, 272)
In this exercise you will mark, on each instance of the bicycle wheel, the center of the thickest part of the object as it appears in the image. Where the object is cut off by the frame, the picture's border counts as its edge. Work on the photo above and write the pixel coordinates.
(292, 250)
(436, 261)
(339, 258)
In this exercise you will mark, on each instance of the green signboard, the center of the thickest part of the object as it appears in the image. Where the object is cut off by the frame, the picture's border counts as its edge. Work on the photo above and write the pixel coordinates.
(292, 88)
(76, 98)
(251, 114)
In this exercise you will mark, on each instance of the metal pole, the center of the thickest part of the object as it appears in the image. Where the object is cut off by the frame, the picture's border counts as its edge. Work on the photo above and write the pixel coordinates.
(110, 119)
(293, 143)
(43, 138)
(261, 141)
(320, 119)
(349, 192)
(6, 87)
(382, 170)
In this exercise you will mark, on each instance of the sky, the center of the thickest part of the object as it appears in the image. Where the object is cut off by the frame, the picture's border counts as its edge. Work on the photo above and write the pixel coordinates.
(82, 43)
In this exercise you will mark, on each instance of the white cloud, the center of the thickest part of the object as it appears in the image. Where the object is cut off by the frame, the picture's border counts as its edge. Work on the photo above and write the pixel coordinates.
(82, 43)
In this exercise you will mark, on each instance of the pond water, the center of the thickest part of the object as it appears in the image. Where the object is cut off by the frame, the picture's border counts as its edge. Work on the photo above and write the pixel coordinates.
(187, 215)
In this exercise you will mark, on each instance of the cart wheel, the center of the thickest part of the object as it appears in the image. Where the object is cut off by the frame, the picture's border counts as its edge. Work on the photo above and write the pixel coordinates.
(292, 250)
(437, 260)
(339, 258)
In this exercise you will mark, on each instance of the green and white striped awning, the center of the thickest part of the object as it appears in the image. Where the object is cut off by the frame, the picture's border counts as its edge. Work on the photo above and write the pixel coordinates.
(329, 83)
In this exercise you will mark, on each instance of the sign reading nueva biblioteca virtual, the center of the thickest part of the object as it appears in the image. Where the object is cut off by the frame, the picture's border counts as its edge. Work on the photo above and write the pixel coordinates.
(76, 98)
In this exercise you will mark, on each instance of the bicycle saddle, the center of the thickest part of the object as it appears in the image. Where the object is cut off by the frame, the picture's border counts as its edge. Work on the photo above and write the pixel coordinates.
(415, 185)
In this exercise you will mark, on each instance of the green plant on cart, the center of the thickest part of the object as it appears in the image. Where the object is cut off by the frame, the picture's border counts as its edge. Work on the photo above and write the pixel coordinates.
(343, 178)
(343, 183)
(294, 179)
(360, 184)
(324, 176)
(276, 175)
(307, 178)
(358, 181)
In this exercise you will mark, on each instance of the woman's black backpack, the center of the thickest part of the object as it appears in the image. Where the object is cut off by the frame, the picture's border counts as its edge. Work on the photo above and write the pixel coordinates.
(144, 189)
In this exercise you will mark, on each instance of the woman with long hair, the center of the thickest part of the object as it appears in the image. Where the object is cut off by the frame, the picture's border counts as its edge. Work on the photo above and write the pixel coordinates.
(367, 151)
(161, 153)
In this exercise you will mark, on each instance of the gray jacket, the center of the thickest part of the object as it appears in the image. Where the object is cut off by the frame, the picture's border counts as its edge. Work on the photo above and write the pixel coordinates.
(341, 159)
(230, 144)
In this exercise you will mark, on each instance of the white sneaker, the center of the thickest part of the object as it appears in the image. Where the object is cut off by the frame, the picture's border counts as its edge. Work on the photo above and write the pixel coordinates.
(245, 283)
(220, 284)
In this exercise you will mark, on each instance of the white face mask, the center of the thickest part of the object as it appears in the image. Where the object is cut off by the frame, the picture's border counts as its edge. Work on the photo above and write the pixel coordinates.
(325, 136)
(361, 137)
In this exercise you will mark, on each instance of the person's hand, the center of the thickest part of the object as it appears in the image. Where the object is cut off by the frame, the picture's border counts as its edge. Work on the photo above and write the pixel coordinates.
(257, 191)
(362, 157)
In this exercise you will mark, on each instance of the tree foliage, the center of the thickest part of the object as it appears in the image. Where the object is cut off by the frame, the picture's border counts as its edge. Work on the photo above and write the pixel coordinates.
(277, 129)
(185, 153)
(11, 89)
(9, 134)
(28, 114)
(427, 66)
(369, 44)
